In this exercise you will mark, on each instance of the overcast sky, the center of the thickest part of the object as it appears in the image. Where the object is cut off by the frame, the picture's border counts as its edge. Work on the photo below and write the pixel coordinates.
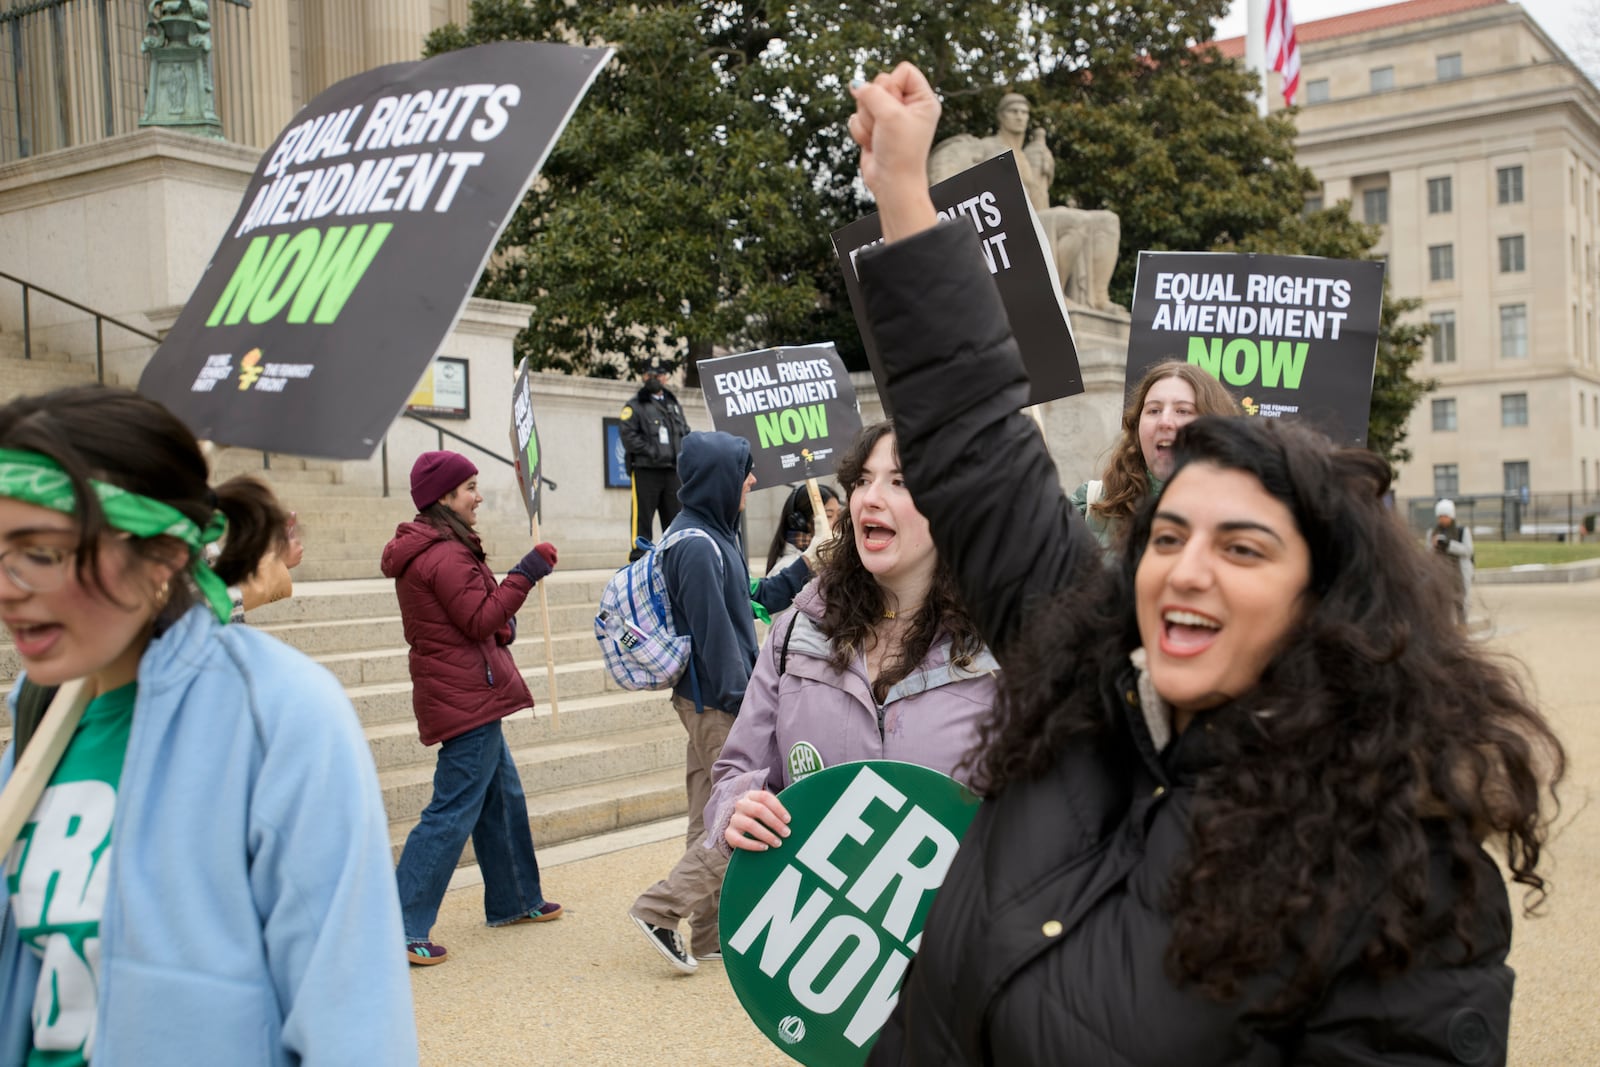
(1555, 16)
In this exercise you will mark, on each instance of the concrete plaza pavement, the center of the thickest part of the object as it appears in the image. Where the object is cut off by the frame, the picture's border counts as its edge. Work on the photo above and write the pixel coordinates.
(588, 989)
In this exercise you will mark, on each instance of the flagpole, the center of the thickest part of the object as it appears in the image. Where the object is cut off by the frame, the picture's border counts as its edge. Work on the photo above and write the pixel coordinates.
(1255, 48)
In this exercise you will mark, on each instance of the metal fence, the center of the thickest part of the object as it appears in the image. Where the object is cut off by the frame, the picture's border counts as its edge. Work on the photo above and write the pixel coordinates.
(1516, 516)
(71, 72)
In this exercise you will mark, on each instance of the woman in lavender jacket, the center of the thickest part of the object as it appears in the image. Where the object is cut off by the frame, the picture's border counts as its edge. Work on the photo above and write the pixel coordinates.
(876, 660)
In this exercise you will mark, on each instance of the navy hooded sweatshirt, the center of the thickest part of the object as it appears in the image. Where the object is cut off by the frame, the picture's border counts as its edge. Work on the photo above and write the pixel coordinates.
(711, 597)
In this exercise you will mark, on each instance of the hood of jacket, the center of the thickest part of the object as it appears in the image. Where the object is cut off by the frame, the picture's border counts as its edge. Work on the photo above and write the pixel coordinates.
(712, 467)
(410, 540)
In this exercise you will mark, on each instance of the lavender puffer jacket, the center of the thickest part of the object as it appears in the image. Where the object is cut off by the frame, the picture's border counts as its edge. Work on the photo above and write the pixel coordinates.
(929, 718)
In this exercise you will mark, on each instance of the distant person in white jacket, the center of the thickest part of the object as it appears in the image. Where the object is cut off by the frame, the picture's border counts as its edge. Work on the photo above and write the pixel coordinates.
(1449, 538)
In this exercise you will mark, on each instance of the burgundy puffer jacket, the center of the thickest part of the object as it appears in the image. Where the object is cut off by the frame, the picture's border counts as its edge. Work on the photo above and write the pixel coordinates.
(462, 676)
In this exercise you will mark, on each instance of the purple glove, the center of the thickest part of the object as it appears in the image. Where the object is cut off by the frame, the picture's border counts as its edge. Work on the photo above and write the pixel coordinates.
(540, 561)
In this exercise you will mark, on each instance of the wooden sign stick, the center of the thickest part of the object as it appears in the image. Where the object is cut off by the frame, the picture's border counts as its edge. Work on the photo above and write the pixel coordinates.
(39, 760)
(821, 529)
(549, 652)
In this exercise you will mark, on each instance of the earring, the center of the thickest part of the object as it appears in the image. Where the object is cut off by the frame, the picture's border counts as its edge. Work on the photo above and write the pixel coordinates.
(163, 595)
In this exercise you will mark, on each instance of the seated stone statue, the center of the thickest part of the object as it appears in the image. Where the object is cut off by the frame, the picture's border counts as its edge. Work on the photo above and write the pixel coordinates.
(1084, 244)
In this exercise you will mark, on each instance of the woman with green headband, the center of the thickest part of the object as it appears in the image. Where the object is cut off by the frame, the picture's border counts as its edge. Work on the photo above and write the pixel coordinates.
(208, 869)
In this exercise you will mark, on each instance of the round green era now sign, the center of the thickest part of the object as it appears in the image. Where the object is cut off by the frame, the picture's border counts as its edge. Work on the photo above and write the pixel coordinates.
(816, 934)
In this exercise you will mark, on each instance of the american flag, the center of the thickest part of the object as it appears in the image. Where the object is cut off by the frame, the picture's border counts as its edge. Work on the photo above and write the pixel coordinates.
(1283, 53)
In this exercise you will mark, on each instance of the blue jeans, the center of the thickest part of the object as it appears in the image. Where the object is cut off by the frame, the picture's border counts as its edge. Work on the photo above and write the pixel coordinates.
(476, 792)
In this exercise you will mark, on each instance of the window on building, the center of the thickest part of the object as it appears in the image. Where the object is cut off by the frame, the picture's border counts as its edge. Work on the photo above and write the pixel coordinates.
(1441, 263)
(1513, 260)
(1448, 68)
(1513, 409)
(1583, 409)
(1508, 184)
(1313, 205)
(1446, 479)
(1317, 91)
(1382, 79)
(1513, 331)
(1516, 475)
(1439, 198)
(1375, 206)
(1444, 415)
(1444, 336)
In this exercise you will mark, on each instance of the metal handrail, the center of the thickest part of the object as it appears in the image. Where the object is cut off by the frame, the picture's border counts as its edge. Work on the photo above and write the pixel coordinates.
(100, 319)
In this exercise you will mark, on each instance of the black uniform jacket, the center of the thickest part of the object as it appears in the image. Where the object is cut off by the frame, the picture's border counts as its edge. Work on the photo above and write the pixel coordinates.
(1046, 943)
(643, 420)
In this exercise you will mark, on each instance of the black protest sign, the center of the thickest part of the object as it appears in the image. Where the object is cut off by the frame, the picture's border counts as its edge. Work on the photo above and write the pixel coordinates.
(1290, 336)
(795, 406)
(358, 241)
(525, 441)
(991, 196)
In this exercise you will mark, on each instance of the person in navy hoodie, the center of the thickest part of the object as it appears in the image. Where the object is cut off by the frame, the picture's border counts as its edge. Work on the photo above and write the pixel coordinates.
(459, 622)
(710, 593)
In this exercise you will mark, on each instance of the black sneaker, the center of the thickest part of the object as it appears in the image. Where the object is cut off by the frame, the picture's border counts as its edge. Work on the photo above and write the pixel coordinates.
(668, 943)
(714, 954)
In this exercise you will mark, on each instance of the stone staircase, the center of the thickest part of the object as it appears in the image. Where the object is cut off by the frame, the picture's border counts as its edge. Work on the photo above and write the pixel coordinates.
(613, 760)
(609, 759)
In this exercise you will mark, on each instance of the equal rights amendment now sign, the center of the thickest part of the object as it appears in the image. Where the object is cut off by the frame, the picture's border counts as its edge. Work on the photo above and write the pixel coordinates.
(1290, 336)
(357, 243)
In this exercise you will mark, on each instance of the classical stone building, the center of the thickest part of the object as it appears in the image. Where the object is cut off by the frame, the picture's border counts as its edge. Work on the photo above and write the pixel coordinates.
(83, 76)
(1465, 131)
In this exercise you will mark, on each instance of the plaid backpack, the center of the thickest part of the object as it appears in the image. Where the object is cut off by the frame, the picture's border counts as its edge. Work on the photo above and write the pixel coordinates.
(634, 623)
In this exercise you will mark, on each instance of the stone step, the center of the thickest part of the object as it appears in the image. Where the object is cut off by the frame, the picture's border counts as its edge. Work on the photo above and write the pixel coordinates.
(356, 635)
(574, 653)
(562, 815)
(230, 461)
(553, 765)
(12, 347)
(375, 597)
(395, 744)
(383, 702)
(289, 484)
(19, 377)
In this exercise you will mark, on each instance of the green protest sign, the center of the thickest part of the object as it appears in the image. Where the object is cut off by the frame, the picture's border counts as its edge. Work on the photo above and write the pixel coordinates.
(816, 934)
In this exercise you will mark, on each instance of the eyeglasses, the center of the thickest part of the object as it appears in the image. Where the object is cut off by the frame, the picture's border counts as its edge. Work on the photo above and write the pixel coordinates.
(36, 568)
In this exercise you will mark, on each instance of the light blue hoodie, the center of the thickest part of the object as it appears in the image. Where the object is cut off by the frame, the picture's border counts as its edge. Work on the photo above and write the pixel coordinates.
(251, 914)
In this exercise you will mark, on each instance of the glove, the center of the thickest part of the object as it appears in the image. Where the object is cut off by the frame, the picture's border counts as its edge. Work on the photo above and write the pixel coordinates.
(507, 633)
(540, 561)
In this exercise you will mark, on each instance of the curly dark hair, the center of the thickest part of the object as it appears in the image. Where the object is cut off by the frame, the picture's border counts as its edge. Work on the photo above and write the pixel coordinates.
(1386, 725)
(1126, 481)
(854, 602)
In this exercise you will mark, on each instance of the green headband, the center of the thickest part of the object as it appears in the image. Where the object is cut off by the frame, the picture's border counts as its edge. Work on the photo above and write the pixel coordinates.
(37, 479)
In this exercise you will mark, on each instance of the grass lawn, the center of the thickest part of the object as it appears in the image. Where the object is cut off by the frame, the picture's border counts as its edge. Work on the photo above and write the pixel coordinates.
(1490, 554)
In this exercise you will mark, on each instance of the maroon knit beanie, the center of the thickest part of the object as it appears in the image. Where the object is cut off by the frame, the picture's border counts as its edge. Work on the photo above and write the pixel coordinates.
(435, 475)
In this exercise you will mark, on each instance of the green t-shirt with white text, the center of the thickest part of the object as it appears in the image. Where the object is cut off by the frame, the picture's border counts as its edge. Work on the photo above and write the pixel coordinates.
(56, 876)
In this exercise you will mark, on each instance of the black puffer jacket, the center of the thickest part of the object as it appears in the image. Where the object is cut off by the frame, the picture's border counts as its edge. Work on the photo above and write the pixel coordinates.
(1046, 943)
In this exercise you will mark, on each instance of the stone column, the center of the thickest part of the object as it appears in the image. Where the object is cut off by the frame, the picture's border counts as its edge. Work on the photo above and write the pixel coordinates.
(272, 100)
(396, 30)
(335, 42)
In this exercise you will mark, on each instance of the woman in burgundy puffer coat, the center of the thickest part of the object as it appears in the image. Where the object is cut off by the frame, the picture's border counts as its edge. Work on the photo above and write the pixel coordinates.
(459, 621)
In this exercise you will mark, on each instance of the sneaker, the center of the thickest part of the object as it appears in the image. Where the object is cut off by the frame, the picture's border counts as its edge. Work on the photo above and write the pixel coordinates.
(667, 942)
(546, 912)
(425, 953)
(714, 954)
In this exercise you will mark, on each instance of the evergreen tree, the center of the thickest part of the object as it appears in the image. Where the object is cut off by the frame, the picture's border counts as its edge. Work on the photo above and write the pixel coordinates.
(690, 201)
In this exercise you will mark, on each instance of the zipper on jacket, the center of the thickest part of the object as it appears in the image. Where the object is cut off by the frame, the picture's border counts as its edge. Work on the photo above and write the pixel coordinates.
(881, 708)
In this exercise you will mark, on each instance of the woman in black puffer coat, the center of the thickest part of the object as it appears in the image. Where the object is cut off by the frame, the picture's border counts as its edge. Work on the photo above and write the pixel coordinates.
(1238, 786)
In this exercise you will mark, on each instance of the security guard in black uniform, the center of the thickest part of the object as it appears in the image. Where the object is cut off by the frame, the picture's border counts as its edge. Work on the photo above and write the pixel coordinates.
(653, 428)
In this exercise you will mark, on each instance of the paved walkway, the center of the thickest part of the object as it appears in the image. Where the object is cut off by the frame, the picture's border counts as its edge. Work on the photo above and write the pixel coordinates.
(588, 990)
